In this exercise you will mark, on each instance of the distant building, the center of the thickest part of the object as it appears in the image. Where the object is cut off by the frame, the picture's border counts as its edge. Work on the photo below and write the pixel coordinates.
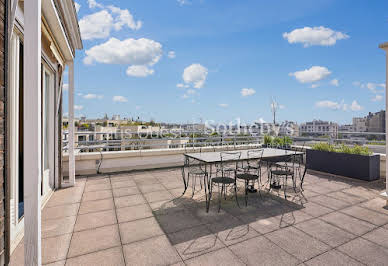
(347, 128)
(359, 124)
(376, 122)
(289, 128)
(319, 128)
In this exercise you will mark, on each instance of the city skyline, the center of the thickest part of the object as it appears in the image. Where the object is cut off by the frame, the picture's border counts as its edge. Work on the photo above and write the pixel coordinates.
(231, 62)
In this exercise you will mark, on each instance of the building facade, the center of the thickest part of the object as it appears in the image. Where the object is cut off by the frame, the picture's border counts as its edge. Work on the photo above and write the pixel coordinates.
(319, 128)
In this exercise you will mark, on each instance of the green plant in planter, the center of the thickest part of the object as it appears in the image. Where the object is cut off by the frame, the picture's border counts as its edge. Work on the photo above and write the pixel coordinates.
(356, 149)
(268, 140)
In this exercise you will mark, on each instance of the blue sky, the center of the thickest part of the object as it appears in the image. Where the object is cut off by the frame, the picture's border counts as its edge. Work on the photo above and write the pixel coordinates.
(186, 60)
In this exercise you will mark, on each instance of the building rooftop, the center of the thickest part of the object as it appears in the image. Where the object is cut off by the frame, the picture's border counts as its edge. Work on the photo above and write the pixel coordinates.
(140, 218)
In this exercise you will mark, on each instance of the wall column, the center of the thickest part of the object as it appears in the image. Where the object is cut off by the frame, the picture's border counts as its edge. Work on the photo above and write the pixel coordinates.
(384, 46)
(71, 125)
(32, 132)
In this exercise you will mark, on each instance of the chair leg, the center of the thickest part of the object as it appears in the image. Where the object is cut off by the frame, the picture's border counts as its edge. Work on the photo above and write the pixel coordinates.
(235, 194)
(219, 197)
(210, 194)
(193, 185)
(285, 186)
(258, 189)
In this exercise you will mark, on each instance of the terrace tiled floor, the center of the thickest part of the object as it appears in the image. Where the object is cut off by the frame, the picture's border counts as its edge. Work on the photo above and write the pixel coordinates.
(141, 219)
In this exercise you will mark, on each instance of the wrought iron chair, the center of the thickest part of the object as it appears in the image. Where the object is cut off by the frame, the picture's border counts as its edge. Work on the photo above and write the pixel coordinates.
(195, 170)
(251, 172)
(228, 165)
(283, 169)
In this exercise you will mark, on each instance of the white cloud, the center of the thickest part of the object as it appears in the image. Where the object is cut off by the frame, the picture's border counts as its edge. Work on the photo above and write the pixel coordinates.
(171, 54)
(130, 51)
(93, 4)
(181, 85)
(334, 82)
(138, 107)
(195, 74)
(90, 96)
(78, 107)
(65, 86)
(247, 92)
(139, 71)
(374, 86)
(100, 24)
(314, 36)
(377, 98)
(223, 105)
(120, 99)
(183, 2)
(77, 6)
(314, 74)
(313, 86)
(124, 17)
(96, 26)
(185, 96)
(328, 104)
(354, 106)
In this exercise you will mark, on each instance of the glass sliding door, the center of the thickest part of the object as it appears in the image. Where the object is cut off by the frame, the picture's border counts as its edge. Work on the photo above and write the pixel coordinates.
(47, 126)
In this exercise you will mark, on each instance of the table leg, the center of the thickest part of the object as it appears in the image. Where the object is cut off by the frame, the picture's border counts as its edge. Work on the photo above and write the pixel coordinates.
(184, 175)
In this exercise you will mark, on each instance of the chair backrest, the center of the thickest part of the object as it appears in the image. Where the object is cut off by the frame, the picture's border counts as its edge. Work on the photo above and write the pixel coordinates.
(255, 155)
(229, 158)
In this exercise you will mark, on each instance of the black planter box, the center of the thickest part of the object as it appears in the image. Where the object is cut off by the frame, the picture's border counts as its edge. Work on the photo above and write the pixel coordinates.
(363, 167)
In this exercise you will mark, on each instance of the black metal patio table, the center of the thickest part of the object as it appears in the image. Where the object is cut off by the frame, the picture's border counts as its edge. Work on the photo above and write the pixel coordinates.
(208, 159)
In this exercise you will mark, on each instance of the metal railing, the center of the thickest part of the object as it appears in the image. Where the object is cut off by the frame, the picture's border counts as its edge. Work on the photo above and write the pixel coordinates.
(121, 141)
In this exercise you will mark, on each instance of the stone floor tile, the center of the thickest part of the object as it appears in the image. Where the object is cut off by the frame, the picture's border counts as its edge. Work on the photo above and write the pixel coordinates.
(194, 241)
(377, 204)
(66, 196)
(94, 240)
(121, 184)
(365, 251)
(96, 187)
(174, 184)
(55, 227)
(151, 188)
(96, 206)
(177, 221)
(366, 215)
(139, 230)
(131, 200)
(132, 213)
(97, 195)
(55, 248)
(314, 209)
(348, 223)
(166, 207)
(350, 198)
(60, 211)
(297, 243)
(333, 257)
(260, 250)
(107, 257)
(158, 196)
(95, 219)
(378, 236)
(232, 230)
(153, 251)
(125, 191)
(325, 232)
(221, 257)
(359, 191)
(330, 202)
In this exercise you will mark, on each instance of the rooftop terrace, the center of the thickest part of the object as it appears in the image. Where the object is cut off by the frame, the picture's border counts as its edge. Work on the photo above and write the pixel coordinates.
(140, 218)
